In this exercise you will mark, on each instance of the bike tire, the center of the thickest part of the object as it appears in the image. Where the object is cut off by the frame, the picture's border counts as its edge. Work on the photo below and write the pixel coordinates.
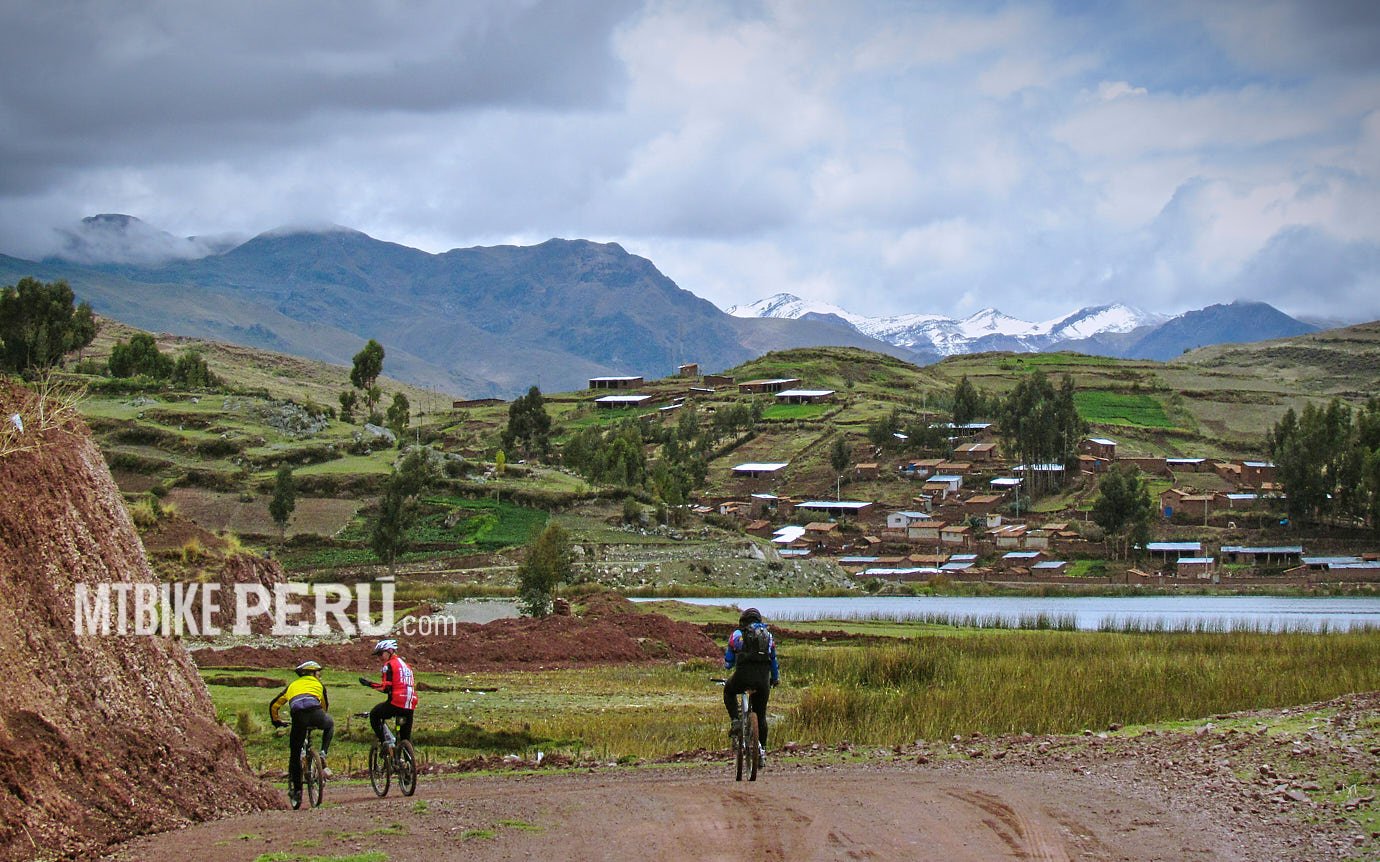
(379, 774)
(315, 780)
(753, 752)
(407, 768)
(740, 743)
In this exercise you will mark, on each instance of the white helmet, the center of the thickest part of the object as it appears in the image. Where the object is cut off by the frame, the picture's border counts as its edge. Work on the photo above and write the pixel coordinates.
(385, 645)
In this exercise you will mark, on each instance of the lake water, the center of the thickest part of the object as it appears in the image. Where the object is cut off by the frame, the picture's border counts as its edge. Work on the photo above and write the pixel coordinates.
(1251, 612)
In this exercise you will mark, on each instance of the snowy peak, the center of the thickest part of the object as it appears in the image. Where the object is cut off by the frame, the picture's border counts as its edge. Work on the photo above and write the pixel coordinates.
(987, 329)
(793, 307)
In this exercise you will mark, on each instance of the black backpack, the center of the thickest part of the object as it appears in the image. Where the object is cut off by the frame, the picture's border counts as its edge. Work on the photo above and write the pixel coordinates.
(756, 647)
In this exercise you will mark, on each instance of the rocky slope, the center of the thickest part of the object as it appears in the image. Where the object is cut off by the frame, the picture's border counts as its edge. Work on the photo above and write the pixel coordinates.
(101, 738)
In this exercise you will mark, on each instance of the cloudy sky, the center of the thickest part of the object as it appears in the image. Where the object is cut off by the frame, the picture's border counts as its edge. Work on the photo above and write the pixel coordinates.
(890, 157)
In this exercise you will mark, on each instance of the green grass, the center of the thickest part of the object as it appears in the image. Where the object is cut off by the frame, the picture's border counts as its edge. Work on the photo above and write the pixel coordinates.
(796, 411)
(905, 681)
(1121, 408)
(371, 856)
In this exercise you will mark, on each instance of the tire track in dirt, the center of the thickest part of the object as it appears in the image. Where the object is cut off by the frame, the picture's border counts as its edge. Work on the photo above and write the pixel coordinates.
(832, 814)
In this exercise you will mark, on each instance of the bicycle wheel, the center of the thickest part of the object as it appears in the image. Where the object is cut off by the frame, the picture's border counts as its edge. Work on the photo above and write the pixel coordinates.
(753, 751)
(379, 772)
(407, 768)
(315, 779)
(739, 743)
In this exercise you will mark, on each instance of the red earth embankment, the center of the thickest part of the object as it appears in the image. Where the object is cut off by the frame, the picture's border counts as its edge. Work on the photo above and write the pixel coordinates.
(106, 737)
(608, 632)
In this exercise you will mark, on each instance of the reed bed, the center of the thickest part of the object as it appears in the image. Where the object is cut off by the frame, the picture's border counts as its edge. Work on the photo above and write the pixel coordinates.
(1065, 682)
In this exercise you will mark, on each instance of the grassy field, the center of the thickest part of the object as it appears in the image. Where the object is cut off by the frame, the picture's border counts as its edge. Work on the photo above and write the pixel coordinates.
(1121, 408)
(905, 682)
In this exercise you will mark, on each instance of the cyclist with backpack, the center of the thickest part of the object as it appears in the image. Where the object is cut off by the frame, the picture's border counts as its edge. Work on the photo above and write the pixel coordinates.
(398, 683)
(751, 655)
(307, 704)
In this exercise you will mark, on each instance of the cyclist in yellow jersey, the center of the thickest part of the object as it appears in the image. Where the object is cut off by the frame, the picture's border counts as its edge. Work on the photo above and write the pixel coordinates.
(307, 704)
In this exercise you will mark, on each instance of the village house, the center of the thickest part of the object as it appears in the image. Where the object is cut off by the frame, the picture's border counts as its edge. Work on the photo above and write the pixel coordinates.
(759, 527)
(902, 520)
(1194, 567)
(954, 468)
(1280, 555)
(619, 402)
(981, 504)
(932, 561)
(1177, 501)
(1093, 464)
(1036, 540)
(1188, 465)
(688, 369)
(759, 469)
(1098, 447)
(762, 504)
(1009, 537)
(856, 509)
(1167, 551)
(959, 563)
(984, 452)
(716, 380)
(866, 471)
(804, 396)
(614, 382)
(1146, 464)
(921, 469)
(1022, 559)
(956, 534)
(822, 534)
(1050, 567)
(1258, 474)
(924, 531)
(767, 386)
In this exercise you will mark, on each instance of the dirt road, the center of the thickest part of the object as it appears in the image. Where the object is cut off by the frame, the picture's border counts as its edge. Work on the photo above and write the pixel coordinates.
(796, 812)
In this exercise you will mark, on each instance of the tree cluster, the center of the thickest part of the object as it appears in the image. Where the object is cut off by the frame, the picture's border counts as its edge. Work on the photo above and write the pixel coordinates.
(1124, 510)
(399, 507)
(1328, 462)
(550, 561)
(529, 425)
(39, 325)
(140, 357)
(1041, 425)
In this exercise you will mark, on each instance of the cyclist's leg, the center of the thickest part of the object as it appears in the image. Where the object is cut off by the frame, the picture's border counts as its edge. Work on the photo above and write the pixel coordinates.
(404, 723)
(322, 721)
(758, 702)
(297, 737)
(731, 691)
(377, 716)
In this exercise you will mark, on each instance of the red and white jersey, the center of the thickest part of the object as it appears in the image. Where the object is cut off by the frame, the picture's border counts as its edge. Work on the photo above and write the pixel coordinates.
(399, 684)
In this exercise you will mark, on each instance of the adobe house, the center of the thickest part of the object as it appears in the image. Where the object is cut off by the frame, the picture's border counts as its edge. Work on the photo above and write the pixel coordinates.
(804, 396)
(1153, 466)
(617, 402)
(1176, 501)
(767, 386)
(1050, 567)
(688, 369)
(1024, 559)
(1036, 540)
(1279, 555)
(1093, 464)
(1166, 551)
(981, 504)
(869, 470)
(956, 534)
(924, 531)
(921, 469)
(614, 382)
(984, 452)
(716, 380)
(855, 509)
(762, 504)
(1098, 447)
(758, 528)
(1009, 537)
(1195, 567)
(903, 519)
(758, 469)
(1188, 465)
(955, 468)
(1258, 474)
(932, 561)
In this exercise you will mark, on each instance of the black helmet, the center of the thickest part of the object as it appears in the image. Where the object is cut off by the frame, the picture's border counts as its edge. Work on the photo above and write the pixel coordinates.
(749, 616)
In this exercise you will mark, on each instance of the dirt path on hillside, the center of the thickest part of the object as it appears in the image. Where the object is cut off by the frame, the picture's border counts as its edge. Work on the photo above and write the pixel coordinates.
(798, 812)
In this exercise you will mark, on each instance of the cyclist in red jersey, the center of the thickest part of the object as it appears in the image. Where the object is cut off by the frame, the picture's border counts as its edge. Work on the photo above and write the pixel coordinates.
(398, 683)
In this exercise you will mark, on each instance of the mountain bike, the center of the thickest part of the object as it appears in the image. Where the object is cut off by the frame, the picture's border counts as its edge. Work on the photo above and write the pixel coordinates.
(313, 773)
(747, 751)
(403, 763)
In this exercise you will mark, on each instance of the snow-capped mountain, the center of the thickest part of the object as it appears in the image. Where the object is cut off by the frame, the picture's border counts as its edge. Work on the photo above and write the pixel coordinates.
(987, 329)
